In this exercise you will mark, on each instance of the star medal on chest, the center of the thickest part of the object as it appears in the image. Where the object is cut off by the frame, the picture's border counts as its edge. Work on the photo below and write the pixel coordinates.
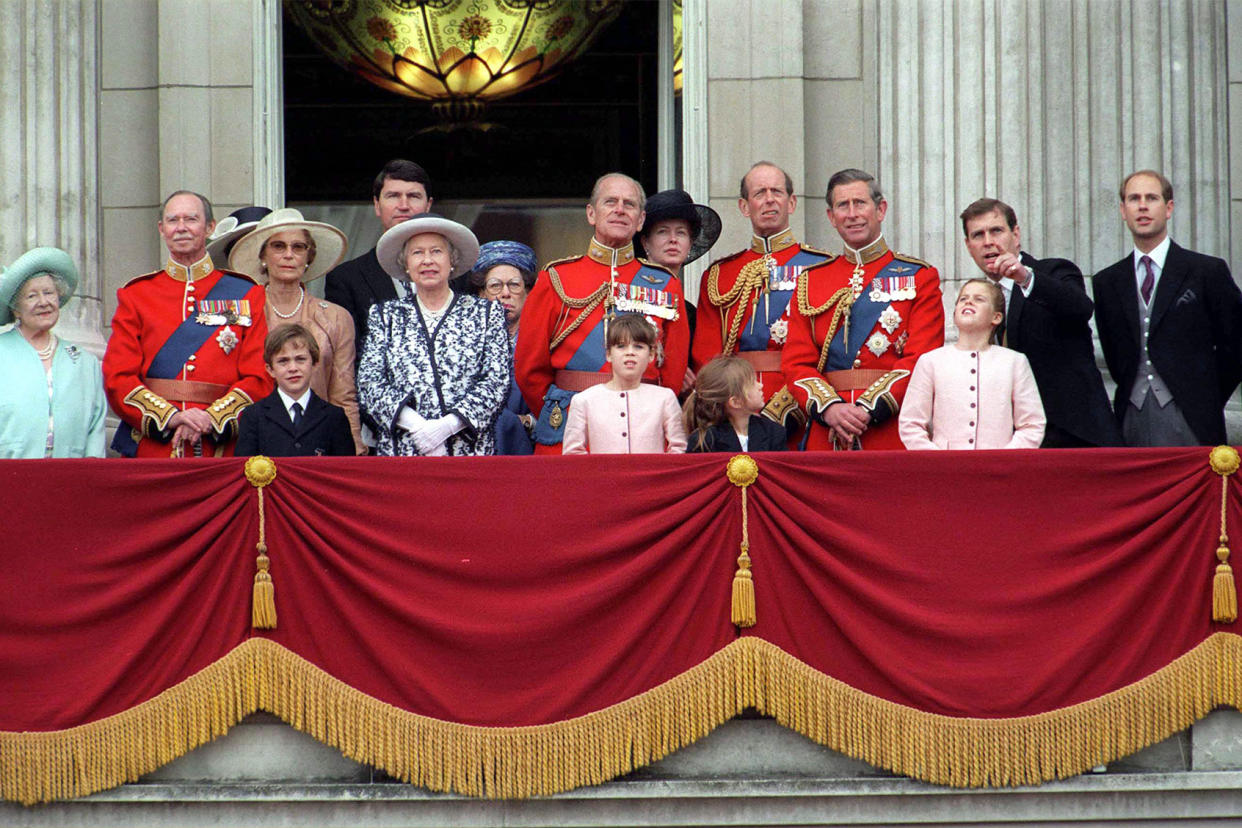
(226, 339)
(878, 343)
(890, 319)
(779, 330)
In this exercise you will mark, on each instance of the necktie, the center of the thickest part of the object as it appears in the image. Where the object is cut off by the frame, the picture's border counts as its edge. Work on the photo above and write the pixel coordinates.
(1149, 281)
(296, 408)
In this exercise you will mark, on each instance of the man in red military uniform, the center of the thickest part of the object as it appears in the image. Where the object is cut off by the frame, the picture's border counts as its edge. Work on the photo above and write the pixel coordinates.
(560, 346)
(858, 325)
(186, 351)
(745, 297)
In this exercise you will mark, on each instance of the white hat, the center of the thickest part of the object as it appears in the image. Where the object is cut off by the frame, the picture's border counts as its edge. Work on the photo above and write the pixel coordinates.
(330, 244)
(388, 250)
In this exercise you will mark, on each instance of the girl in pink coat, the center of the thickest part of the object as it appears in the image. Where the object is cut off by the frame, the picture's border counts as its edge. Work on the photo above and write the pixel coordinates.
(973, 394)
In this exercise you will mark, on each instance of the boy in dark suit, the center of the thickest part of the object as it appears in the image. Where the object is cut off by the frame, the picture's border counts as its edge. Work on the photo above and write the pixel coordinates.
(292, 421)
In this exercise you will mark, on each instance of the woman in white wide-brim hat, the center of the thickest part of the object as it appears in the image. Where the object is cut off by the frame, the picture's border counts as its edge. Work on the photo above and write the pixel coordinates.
(435, 367)
(51, 400)
(284, 251)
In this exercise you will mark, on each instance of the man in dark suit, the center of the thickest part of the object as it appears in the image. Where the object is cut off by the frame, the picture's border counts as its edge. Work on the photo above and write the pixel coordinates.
(293, 421)
(401, 190)
(1047, 318)
(1170, 323)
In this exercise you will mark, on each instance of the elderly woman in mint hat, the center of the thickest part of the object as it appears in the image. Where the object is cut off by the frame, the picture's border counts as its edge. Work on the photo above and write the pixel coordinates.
(285, 252)
(51, 399)
(436, 365)
(504, 273)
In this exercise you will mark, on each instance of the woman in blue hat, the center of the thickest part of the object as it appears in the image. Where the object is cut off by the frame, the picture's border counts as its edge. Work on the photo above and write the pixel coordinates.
(51, 401)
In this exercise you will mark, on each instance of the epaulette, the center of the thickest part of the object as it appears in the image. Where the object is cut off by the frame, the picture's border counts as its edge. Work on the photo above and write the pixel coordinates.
(903, 257)
(556, 262)
(724, 259)
(143, 276)
(809, 268)
(654, 265)
(238, 274)
(828, 255)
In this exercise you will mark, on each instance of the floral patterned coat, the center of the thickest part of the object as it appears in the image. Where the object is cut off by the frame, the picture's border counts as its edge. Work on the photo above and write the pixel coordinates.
(462, 367)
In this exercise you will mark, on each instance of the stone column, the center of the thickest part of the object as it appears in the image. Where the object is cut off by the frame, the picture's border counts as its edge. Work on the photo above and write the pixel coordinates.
(48, 159)
(1047, 104)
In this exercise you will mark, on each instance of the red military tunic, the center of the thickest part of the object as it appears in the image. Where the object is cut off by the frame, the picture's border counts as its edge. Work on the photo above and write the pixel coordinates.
(897, 302)
(561, 327)
(761, 278)
(222, 375)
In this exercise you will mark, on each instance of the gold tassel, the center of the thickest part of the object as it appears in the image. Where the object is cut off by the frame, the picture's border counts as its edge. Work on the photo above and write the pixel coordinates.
(743, 471)
(263, 601)
(743, 591)
(1224, 461)
(1224, 592)
(261, 471)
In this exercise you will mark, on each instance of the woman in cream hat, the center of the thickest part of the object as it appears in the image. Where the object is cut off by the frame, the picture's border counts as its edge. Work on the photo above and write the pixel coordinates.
(51, 401)
(435, 368)
(284, 251)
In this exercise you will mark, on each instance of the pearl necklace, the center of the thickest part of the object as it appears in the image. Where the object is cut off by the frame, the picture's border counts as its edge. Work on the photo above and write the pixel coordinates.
(46, 353)
(296, 308)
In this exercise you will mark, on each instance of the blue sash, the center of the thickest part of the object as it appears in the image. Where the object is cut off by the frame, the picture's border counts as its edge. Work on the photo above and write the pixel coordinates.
(758, 329)
(190, 335)
(863, 316)
(590, 355)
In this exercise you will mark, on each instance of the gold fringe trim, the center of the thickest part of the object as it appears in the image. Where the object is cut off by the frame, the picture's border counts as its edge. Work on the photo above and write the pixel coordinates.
(520, 762)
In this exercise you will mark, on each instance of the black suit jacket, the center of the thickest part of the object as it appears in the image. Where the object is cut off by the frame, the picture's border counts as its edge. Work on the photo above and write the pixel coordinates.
(1052, 328)
(266, 428)
(1194, 338)
(356, 285)
(763, 435)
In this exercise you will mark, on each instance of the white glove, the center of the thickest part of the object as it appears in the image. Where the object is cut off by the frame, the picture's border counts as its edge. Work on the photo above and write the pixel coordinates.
(435, 433)
(410, 420)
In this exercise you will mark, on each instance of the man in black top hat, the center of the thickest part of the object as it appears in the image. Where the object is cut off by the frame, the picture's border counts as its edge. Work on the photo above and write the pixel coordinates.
(401, 191)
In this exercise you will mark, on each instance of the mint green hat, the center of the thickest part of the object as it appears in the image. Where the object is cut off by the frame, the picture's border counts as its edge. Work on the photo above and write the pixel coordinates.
(35, 262)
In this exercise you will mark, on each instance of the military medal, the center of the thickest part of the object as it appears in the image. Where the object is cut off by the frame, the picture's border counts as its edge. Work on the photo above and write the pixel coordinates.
(856, 280)
(556, 416)
(890, 319)
(878, 343)
(226, 339)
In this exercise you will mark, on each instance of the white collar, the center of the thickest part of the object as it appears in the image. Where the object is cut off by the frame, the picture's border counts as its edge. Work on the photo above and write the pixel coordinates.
(1158, 254)
(304, 400)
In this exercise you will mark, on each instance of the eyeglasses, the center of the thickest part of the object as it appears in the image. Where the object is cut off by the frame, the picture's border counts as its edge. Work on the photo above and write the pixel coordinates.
(493, 287)
(280, 246)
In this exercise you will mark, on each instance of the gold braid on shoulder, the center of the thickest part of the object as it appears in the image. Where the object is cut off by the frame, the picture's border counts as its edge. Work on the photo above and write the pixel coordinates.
(587, 304)
(841, 302)
(749, 280)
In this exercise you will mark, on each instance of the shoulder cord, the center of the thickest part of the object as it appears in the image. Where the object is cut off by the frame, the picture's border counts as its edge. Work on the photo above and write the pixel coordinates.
(587, 304)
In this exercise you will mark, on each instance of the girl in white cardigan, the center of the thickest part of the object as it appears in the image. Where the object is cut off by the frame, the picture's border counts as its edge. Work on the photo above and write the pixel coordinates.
(973, 394)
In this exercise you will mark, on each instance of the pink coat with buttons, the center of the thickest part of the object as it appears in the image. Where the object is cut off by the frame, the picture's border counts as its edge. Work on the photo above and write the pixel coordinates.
(646, 420)
(960, 399)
